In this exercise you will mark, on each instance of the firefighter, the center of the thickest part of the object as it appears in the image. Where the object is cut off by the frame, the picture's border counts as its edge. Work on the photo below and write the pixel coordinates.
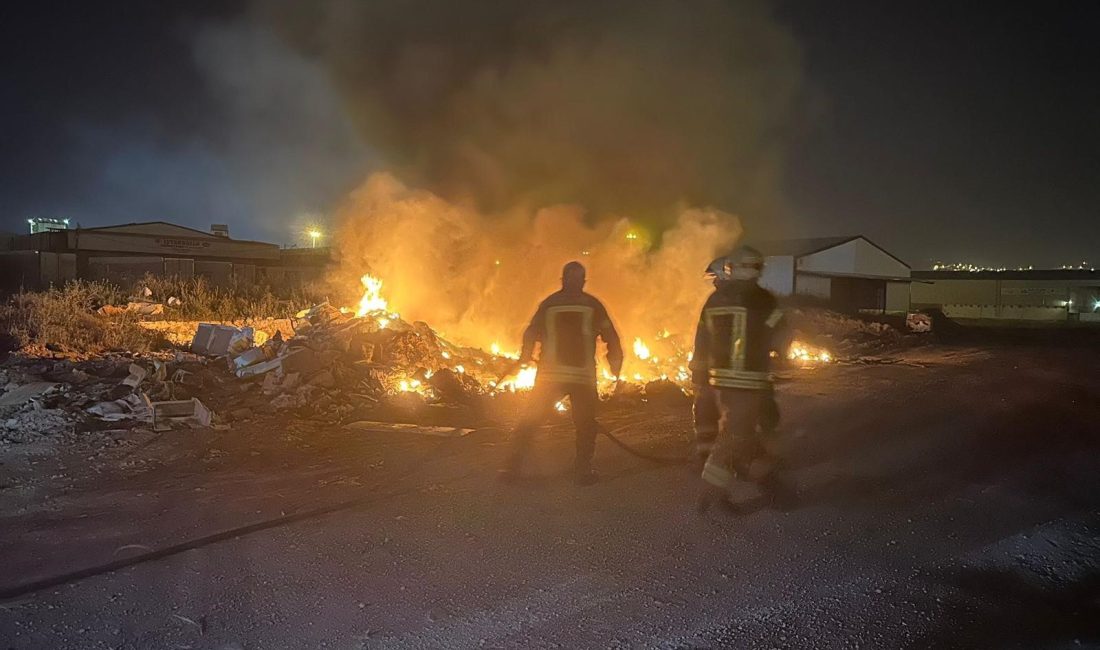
(566, 326)
(733, 345)
(705, 403)
(704, 407)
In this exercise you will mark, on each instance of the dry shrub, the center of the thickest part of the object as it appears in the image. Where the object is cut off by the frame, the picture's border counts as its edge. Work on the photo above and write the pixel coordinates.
(202, 300)
(65, 319)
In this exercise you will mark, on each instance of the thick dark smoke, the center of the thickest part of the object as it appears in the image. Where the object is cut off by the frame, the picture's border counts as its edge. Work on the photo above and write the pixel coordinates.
(623, 106)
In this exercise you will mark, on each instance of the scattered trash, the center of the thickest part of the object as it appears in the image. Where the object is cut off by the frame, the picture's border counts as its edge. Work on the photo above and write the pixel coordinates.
(213, 340)
(137, 308)
(22, 394)
(918, 322)
(137, 375)
(131, 407)
(190, 412)
(259, 368)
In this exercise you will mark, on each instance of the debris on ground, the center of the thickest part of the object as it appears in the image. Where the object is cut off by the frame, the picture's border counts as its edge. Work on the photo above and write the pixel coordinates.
(326, 365)
(844, 336)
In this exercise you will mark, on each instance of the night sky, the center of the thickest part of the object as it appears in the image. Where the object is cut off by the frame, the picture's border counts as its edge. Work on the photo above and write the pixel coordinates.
(943, 131)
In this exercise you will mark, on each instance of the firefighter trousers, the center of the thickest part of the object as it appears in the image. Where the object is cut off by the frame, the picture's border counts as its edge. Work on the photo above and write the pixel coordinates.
(739, 440)
(706, 413)
(582, 400)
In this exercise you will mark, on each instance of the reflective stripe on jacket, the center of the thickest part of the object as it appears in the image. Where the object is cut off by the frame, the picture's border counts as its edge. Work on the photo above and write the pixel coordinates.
(566, 325)
(734, 338)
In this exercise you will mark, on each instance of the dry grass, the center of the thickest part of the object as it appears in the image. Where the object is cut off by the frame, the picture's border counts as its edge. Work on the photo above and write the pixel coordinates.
(64, 319)
(204, 301)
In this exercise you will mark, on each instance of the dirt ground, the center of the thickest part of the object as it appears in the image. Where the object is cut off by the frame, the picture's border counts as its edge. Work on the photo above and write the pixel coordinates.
(949, 497)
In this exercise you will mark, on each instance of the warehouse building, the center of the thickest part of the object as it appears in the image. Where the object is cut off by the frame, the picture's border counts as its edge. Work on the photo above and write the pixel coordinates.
(1040, 295)
(850, 274)
(125, 253)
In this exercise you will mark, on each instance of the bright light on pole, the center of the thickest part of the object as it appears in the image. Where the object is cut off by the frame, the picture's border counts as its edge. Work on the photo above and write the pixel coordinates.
(313, 236)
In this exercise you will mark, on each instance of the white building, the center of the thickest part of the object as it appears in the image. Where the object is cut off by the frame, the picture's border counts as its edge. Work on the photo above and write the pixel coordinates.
(851, 274)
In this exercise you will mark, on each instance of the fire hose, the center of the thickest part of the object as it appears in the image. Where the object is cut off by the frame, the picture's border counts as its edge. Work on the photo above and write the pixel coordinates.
(611, 434)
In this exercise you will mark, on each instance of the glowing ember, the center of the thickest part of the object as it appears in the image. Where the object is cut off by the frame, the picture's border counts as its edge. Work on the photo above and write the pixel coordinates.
(372, 300)
(808, 354)
(641, 350)
(495, 349)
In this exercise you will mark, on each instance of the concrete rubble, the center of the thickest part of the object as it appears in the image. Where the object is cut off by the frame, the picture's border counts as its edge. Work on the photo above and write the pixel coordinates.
(324, 365)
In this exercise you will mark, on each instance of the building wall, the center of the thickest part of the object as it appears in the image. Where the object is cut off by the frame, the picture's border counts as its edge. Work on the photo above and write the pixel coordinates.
(1009, 299)
(169, 243)
(778, 274)
(897, 297)
(123, 269)
(856, 257)
(814, 286)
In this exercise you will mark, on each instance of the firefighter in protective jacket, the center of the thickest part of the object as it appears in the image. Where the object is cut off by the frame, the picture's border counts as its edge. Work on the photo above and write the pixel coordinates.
(733, 346)
(566, 326)
(705, 413)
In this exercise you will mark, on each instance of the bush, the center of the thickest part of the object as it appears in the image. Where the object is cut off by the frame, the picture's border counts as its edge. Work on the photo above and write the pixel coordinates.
(64, 319)
(201, 300)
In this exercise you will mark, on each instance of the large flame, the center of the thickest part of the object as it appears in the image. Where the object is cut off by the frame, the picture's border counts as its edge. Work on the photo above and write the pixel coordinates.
(372, 300)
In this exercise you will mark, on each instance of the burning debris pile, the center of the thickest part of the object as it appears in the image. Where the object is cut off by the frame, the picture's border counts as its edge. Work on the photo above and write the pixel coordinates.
(825, 336)
(330, 364)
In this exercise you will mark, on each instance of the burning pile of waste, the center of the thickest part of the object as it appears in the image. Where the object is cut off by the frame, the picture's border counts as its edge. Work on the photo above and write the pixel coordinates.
(327, 363)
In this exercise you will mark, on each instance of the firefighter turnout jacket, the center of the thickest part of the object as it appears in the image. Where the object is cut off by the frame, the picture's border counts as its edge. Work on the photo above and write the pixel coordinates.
(566, 325)
(733, 342)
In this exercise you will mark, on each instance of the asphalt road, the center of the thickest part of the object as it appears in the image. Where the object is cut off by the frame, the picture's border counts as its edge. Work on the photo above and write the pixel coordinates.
(952, 500)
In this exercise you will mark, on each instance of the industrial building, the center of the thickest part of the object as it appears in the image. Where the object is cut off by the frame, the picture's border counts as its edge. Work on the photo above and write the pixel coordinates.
(1039, 295)
(850, 274)
(127, 252)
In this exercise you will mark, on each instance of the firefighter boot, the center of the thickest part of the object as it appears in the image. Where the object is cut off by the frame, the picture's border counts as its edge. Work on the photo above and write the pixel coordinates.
(779, 493)
(712, 496)
(584, 474)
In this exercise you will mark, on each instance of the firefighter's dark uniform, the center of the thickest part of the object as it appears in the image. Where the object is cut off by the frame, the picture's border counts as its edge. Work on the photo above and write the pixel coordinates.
(732, 357)
(566, 326)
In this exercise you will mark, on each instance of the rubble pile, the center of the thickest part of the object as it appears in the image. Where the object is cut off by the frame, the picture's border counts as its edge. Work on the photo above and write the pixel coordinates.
(332, 368)
(844, 335)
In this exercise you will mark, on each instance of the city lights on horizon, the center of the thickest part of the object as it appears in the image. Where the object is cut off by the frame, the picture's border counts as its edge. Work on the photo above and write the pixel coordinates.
(976, 268)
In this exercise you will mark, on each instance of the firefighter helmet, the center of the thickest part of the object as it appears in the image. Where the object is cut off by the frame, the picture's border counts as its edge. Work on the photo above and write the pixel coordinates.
(745, 263)
(717, 271)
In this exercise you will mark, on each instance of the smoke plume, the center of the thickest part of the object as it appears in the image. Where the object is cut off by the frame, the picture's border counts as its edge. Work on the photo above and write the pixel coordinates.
(512, 137)
(622, 106)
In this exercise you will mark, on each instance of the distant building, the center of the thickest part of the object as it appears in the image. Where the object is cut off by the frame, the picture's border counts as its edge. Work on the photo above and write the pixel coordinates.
(1034, 295)
(850, 274)
(47, 224)
(127, 252)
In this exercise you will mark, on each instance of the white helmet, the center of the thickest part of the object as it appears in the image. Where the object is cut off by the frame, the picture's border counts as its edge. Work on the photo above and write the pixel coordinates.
(745, 263)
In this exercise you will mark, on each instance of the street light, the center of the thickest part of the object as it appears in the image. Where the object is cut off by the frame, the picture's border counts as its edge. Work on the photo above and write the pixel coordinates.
(313, 235)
